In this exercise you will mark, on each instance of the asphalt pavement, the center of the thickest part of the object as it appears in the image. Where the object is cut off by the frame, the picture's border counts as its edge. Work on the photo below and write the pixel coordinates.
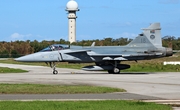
(139, 86)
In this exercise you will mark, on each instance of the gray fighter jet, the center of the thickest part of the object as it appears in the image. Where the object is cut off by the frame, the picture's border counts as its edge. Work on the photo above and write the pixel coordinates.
(147, 45)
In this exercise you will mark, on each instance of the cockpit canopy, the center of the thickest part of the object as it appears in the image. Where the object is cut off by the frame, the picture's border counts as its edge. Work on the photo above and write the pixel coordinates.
(55, 47)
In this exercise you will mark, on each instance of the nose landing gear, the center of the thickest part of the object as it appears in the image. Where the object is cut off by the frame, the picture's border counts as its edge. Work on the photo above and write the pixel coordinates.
(55, 71)
(53, 66)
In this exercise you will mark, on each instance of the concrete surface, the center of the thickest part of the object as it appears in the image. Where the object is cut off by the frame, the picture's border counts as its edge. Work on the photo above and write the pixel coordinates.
(162, 85)
(154, 86)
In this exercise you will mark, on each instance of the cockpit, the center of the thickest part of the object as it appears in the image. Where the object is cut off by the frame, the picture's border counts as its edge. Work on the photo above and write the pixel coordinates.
(55, 47)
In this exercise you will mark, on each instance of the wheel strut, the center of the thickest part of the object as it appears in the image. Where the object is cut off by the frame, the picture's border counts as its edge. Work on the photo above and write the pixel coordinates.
(115, 70)
(53, 66)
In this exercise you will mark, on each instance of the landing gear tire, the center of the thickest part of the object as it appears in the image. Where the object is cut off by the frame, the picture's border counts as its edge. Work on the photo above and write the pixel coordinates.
(114, 71)
(55, 72)
(53, 66)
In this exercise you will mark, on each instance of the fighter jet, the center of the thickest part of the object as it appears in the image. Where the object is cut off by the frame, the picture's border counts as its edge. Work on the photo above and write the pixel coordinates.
(147, 45)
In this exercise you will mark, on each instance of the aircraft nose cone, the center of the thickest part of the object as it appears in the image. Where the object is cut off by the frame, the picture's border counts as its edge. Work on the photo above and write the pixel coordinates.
(27, 58)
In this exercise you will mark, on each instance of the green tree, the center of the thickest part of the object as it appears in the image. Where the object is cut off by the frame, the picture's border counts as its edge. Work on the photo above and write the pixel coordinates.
(4, 54)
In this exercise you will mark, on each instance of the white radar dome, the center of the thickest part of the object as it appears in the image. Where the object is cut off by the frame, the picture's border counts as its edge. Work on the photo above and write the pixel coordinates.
(72, 5)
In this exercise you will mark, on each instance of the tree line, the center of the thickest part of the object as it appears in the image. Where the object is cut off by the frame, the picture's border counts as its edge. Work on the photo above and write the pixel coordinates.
(20, 48)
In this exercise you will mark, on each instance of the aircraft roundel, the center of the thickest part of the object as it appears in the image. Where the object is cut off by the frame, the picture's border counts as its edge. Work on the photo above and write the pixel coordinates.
(152, 37)
(51, 56)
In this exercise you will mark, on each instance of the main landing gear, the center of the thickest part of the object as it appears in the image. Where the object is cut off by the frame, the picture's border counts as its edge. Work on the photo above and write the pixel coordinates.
(53, 66)
(113, 67)
(115, 70)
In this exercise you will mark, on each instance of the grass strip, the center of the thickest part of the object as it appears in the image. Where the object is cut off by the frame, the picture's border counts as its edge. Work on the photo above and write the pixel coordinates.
(150, 67)
(82, 105)
(54, 89)
(11, 70)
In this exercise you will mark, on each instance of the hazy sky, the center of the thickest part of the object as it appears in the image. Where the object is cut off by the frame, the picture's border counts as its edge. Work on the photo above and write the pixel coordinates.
(97, 19)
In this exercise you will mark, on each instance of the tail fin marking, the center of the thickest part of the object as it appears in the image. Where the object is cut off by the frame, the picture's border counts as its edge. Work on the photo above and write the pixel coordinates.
(151, 36)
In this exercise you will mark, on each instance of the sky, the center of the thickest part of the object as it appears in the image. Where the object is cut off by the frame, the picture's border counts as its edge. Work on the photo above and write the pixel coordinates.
(97, 19)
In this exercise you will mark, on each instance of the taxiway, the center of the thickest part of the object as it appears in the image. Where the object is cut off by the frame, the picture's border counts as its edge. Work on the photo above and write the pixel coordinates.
(154, 86)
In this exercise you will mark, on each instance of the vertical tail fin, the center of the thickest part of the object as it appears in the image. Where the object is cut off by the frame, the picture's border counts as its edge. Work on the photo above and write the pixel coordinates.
(151, 36)
(153, 33)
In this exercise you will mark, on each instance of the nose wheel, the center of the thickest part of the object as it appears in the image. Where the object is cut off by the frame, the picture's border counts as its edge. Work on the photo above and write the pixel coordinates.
(53, 66)
(55, 72)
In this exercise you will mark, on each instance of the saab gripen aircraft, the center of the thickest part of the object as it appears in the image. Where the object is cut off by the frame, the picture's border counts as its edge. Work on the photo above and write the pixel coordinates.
(147, 45)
